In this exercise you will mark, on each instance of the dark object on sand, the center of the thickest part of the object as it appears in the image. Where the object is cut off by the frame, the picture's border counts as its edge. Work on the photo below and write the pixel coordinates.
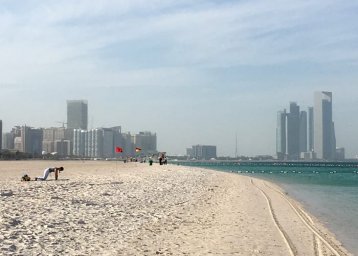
(25, 178)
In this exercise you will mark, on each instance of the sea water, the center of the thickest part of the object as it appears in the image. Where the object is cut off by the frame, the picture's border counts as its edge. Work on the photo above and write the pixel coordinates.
(329, 193)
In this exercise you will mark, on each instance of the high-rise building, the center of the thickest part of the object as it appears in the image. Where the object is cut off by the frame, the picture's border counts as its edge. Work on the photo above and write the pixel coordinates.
(303, 132)
(8, 140)
(101, 143)
(32, 140)
(27, 139)
(124, 141)
(95, 143)
(281, 135)
(77, 114)
(293, 122)
(204, 152)
(79, 141)
(291, 133)
(62, 147)
(324, 135)
(146, 141)
(310, 129)
(57, 139)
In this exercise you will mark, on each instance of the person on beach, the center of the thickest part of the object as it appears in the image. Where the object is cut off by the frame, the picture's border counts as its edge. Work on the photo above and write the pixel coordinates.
(49, 170)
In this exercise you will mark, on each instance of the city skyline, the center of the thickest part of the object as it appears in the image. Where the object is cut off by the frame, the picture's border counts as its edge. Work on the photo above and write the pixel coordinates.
(194, 72)
(302, 134)
(62, 142)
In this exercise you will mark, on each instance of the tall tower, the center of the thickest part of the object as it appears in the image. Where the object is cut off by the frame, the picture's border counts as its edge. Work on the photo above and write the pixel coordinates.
(324, 137)
(77, 114)
(293, 121)
(303, 132)
(281, 135)
(310, 129)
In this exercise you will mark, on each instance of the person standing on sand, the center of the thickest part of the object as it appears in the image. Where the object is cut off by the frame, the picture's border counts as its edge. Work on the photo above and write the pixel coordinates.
(47, 171)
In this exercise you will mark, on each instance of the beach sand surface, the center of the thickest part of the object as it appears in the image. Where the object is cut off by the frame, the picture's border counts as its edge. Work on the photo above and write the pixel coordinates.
(116, 208)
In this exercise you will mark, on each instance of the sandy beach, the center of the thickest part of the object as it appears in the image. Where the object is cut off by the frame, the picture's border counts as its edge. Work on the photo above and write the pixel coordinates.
(115, 208)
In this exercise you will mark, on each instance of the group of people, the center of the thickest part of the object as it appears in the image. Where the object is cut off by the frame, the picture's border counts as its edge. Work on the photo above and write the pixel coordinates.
(46, 173)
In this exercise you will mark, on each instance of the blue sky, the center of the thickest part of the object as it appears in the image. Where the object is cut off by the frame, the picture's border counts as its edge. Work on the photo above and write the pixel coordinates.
(194, 72)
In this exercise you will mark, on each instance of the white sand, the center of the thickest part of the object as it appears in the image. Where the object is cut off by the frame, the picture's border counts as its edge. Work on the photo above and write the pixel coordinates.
(109, 208)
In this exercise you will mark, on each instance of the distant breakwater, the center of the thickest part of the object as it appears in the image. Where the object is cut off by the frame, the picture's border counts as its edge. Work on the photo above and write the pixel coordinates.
(343, 164)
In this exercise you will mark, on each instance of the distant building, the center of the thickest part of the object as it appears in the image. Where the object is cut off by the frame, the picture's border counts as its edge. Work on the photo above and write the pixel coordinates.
(340, 154)
(324, 134)
(146, 141)
(25, 139)
(108, 143)
(308, 155)
(124, 141)
(8, 140)
(189, 152)
(79, 142)
(57, 139)
(293, 128)
(281, 135)
(203, 152)
(310, 129)
(31, 140)
(303, 132)
(18, 144)
(94, 143)
(63, 147)
(291, 133)
(77, 114)
(101, 143)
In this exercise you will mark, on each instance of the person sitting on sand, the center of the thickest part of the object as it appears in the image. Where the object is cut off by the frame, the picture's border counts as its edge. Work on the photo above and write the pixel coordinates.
(47, 171)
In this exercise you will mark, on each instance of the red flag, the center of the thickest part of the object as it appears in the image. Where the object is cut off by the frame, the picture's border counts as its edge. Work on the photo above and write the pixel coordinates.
(119, 150)
(137, 149)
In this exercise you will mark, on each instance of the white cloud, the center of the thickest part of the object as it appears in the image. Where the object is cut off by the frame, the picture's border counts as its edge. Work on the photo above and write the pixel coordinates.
(199, 35)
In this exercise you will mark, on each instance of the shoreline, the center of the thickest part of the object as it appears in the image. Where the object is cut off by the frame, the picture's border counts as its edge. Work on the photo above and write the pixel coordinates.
(99, 207)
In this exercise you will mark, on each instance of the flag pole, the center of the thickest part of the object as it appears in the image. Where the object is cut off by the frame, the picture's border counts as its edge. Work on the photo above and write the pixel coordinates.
(117, 150)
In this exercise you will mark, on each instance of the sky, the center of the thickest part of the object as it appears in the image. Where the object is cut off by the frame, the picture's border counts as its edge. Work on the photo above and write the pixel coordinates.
(193, 72)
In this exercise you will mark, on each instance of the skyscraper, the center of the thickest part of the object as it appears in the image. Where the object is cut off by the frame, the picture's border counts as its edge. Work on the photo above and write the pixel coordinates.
(293, 128)
(281, 135)
(324, 136)
(310, 129)
(77, 114)
(303, 132)
(291, 133)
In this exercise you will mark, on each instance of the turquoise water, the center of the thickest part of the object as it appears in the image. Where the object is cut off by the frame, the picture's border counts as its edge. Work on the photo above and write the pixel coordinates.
(329, 193)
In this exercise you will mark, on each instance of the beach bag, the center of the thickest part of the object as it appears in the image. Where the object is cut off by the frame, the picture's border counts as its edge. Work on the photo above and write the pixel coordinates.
(25, 178)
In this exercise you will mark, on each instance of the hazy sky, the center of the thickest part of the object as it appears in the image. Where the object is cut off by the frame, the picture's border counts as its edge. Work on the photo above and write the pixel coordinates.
(194, 72)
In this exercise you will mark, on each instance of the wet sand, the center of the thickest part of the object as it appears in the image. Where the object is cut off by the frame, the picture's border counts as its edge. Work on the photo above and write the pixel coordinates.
(109, 208)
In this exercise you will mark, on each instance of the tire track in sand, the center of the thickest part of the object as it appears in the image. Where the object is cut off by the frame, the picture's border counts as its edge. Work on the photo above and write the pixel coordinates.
(287, 240)
(308, 222)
